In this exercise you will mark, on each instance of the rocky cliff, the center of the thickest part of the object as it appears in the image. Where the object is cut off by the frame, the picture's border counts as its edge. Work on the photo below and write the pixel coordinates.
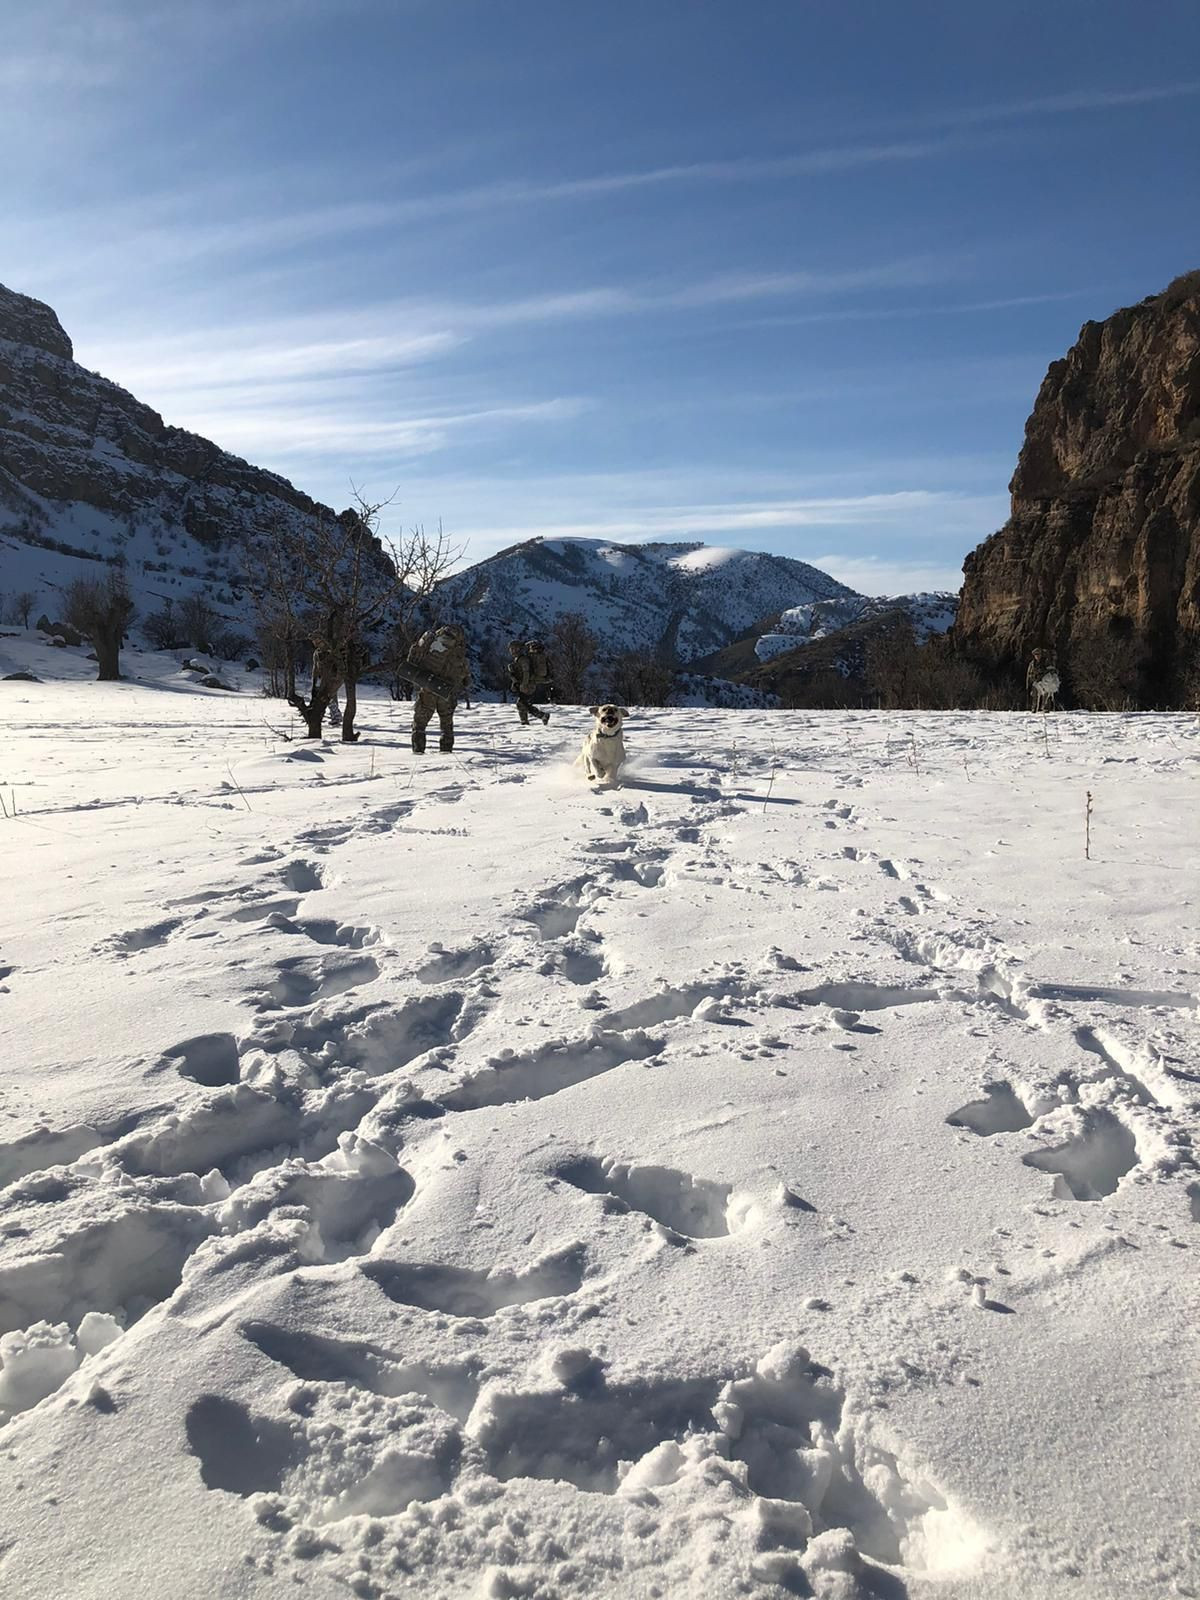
(1100, 560)
(89, 474)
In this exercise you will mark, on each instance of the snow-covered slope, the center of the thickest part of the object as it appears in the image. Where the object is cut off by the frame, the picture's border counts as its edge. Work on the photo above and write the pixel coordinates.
(681, 600)
(929, 613)
(89, 475)
(435, 1179)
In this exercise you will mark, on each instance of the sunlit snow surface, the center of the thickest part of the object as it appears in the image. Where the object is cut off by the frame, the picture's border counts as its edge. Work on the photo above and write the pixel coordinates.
(435, 1178)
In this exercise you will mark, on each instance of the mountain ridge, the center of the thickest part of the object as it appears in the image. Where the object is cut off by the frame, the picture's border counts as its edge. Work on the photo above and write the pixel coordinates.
(675, 600)
(90, 474)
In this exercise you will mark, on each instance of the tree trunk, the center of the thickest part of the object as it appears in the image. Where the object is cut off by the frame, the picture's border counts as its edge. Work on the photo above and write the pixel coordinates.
(349, 708)
(313, 711)
(108, 655)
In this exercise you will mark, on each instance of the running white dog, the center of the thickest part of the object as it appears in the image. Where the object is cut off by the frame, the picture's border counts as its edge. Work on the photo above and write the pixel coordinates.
(1045, 691)
(604, 748)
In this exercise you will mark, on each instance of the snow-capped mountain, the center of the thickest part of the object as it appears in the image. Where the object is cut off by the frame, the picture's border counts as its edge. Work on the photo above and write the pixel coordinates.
(90, 476)
(678, 601)
(929, 614)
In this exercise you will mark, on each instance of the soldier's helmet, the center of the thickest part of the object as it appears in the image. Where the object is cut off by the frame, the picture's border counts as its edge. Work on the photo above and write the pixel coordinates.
(451, 630)
(536, 644)
(515, 648)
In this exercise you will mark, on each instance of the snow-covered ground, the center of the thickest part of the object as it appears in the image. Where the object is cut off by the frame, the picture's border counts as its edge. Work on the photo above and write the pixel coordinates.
(430, 1177)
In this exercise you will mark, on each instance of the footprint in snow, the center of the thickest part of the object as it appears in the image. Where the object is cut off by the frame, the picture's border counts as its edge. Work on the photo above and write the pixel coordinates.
(449, 965)
(325, 930)
(463, 1292)
(321, 1358)
(696, 1208)
(157, 933)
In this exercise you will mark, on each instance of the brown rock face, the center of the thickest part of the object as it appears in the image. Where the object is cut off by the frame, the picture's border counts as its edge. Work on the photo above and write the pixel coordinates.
(1100, 560)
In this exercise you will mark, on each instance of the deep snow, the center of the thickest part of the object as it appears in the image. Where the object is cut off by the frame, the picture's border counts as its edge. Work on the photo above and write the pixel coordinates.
(435, 1178)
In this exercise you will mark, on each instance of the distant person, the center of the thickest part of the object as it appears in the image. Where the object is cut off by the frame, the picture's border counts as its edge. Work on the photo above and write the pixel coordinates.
(442, 653)
(1041, 679)
(529, 674)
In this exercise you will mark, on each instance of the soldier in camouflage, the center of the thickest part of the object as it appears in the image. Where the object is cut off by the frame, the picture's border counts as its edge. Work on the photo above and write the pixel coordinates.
(442, 653)
(529, 674)
(1041, 662)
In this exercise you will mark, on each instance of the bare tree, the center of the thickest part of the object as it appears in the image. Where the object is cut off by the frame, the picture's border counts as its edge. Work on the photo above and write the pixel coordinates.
(333, 587)
(641, 679)
(102, 609)
(162, 628)
(20, 607)
(197, 622)
(573, 648)
(493, 666)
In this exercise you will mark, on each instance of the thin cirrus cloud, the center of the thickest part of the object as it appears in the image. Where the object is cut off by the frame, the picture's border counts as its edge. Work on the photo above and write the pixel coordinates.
(1068, 103)
(307, 436)
(731, 518)
(741, 517)
(878, 575)
(247, 358)
(253, 227)
(410, 331)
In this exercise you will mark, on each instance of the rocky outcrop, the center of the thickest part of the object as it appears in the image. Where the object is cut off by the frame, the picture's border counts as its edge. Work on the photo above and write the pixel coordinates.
(76, 450)
(29, 322)
(1099, 561)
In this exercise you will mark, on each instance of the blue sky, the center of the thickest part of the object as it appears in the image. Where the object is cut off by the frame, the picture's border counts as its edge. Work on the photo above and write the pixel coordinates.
(780, 275)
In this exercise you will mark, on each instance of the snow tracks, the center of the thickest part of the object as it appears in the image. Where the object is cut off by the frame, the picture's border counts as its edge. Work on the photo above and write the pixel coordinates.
(525, 1261)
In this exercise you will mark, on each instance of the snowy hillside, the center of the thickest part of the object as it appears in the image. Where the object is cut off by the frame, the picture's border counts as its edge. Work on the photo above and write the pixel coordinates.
(683, 600)
(90, 476)
(929, 613)
(436, 1179)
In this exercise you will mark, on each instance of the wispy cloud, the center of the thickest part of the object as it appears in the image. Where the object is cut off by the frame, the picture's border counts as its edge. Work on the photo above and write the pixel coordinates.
(1070, 102)
(408, 331)
(255, 355)
(306, 436)
(894, 313)
(697, 521)
(881, 575)
(734, 170)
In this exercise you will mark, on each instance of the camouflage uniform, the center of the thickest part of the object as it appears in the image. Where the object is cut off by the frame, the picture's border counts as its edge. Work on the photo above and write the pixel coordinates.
(442, 652)
(1040, 663)
(529, 674)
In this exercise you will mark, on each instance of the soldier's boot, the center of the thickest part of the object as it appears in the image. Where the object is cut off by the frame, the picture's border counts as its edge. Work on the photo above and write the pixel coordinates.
(446, 742)
(524, 716)
(418, 742)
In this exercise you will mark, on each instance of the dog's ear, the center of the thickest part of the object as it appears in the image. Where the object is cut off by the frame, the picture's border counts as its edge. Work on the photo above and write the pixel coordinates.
(622, 711)
(593, 711)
